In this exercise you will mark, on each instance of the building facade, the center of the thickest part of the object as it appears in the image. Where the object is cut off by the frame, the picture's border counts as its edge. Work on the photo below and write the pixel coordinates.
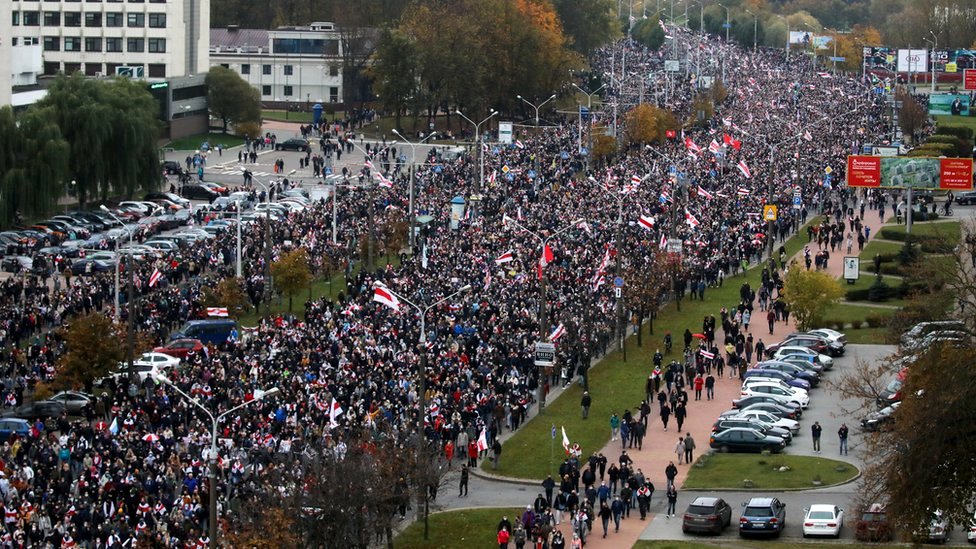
(292, 67)
(152, 39)
(6, 54)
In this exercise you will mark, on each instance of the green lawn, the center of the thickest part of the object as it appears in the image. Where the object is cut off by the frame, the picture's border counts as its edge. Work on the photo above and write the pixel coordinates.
(867, 336)
(470, 528)
(866, 280)
(950, 230)
(193, 142)
(304, 117)
(729, 470)
(615, 383)
(960, 120)
(743, 544)
(883, 247)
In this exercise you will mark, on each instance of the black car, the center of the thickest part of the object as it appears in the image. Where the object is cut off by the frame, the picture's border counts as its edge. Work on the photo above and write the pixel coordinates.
(774, 408)
(707, 514)
(738, 439)
(293, 145)
(91, 266)
(198, 192)
(793, 369)
(42, 409)
(746, 423)
(765, 399)
(766, 516)
(876, 421)
(171, 167)
(965, 198)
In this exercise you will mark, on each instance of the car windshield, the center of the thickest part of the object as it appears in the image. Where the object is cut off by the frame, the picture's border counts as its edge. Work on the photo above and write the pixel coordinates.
(700, 510)
(758, 512)
(824, 515)
(894, 386)
(873, 517)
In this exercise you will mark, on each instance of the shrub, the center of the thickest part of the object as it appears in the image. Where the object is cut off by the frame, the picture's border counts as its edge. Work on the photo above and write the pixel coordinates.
(893, 270)
(879, 290)
(891, 234)
(958, 130)
(875, 321)
(909, 253)
(251, 129)
(856, 295)
(856, 324)
(937, 149)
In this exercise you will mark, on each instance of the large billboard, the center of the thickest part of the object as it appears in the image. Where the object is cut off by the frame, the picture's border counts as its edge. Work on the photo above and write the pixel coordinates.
(948, 104)
(915, 172)
(913, 60)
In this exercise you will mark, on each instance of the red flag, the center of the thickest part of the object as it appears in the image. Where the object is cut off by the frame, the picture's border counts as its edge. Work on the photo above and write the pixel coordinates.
(546, 259)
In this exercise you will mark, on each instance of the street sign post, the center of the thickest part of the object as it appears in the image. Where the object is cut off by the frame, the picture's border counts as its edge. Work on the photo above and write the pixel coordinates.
(769, 212)
(545, 354)
(674, 245)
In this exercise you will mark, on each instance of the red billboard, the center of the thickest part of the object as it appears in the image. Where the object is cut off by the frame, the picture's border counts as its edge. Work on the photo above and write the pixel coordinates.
(907, 171)
(969, 80)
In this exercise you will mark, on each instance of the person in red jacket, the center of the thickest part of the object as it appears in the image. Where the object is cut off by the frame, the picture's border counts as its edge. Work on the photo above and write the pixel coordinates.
(473, 454)
(699, 383)
(503, 537)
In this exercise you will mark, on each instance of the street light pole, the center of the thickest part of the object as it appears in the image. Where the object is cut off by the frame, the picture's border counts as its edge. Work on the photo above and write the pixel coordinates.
(543, 319)
(130, 335)
(589, 112)
(239, 270)
(215, 423)
(786, 19)
(413, 169)
(935, 46)
(481, 153)
(536, 107)
(755, 30)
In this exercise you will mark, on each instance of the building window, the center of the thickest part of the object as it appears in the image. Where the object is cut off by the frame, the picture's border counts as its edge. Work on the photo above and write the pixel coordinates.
(51, 68)
(93, 69)
(32, 18)
(15, 18)
(265, 90)
(245, 68)
(93, 19)
(157, 70)
(157, 1)
(135, 45)
(157, 45)
(72, 18)
(137, 1)
(287, 91)
(137, 20)
(113, 45)
(333, 94)
(94, 1)
(52, 19)
(93, 44)
(333, 70)
(157, 20)
(265, 69)
(71, 68)
(113, 19)
(72, 43)
(288, 70)
(52, 43)
(110, 68)
(225, 65)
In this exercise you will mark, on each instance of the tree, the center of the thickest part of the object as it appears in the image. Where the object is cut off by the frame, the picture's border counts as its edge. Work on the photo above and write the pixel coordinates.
(291, 273)
(588, 24)
(231, 98)
(702, 109)
(912, 116)
(648, 32)
(269, 529)
(646, 123)
(227, 293)
(394, 72)
(604, 147)
(95, 347)
(33, 164)
(851, 45)
(647, 284)
(809, 294)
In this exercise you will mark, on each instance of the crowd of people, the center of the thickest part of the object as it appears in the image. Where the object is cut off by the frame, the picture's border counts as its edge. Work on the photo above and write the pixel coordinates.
(77, 481)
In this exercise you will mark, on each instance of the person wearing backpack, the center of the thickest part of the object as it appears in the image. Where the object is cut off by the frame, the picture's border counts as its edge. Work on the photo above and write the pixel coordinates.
(519, 536)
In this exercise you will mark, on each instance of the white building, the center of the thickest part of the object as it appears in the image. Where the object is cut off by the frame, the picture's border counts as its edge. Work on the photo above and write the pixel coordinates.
(6, 53)
(156, 39)
(292, 67)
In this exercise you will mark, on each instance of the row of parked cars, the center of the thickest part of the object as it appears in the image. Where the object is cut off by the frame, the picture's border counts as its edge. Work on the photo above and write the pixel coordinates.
(774, 393)
(764, 516)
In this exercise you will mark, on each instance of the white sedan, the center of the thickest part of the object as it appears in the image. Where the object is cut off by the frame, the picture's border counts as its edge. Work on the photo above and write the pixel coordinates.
(778, 392)
(788, 350)
(158, 360)
(823, 520)
(782, 422)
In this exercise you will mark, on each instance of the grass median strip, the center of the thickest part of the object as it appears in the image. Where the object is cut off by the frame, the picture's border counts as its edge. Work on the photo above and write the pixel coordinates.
(767, 472)
(469, 528)
(531, 453)
(740, 544)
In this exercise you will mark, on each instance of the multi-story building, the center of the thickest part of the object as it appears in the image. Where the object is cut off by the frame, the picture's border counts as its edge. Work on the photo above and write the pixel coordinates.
(154, 39)
(292, 67)
(6, 54)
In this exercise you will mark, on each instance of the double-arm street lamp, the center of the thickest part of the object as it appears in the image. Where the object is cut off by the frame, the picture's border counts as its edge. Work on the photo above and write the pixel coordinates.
(413, 168)
(589, 113)
(481, 157)
(536, 107)
(543, 319)
(212, 458)
(755, 29)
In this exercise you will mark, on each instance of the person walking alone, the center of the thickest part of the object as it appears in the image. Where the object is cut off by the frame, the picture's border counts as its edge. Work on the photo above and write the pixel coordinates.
(463, 486)
(689, 449)
(842, 435)
(672, 500)
(815, 431)
(585, 404)
(679, 449)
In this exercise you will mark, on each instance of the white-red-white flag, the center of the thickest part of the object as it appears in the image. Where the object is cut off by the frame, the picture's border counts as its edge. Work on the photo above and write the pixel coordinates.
(663, 243)
(744, 169)
(557, 333)
(155, 277)
(519, 144)
(742, 191)
(691, 145)
(217, 311)
(482, 441)
(334, 412)
(382, 294)
(505, 258)
(565, 440)
(704, 194)
(646, 221)
(383, 180)
(807, 135)
(706, 354)
(547, 256)
(691, 220)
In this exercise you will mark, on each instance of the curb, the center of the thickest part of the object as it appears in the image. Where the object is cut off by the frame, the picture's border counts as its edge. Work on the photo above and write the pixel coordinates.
(498, 478)
(855, 478)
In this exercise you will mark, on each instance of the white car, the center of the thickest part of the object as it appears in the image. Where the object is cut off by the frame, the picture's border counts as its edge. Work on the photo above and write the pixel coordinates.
(832, 336)
(159, 360)
(787, 350)
(765, 417)
(758, 380)
(823, 520)
(971, 531)
(778, 392)
(162, 245)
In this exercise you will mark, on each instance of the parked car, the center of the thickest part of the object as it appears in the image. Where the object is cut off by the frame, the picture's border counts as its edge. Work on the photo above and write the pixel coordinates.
(873, 525)
(794, 370)
(198, 192)
(763, 515)
(971, 531)
(724, 423)
(804, 361)
(739, 439)
(296, 144)
(42, 409)
(17, 264)
(141, 371)
(789, 379)
(215, 187)
(777, 390)
(13, 426)
(180, 348)
(824, 361)
(91, 266)
(769, 418)
(790, 410)
(707, 514)
(922, 329)
(161, 360)
(937, 531)
(171, 167)
(171, 197)
(945, 337)
(823, 520)
(892, 392)
(820, 344)
(74, 401)
(877, 420)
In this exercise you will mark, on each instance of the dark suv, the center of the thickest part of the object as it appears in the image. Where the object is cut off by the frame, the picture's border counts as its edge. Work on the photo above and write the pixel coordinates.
(707, 514)
(293, 145)
(766, 516)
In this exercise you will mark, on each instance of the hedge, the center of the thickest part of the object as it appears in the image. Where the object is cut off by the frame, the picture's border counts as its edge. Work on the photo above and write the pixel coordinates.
(958, 130)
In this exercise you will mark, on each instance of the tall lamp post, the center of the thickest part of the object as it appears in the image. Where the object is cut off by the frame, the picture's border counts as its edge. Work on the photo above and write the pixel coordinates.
(215, 422)
(543, 319)
(536, 107)
(117, 261)
(935, 46)
(413, 168)
(481, 156)
(755, 30)
(130, 330)
(787, 21)
(589, 112)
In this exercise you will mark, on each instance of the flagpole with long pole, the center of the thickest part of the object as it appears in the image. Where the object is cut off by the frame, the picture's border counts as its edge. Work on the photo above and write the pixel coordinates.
(543, 320)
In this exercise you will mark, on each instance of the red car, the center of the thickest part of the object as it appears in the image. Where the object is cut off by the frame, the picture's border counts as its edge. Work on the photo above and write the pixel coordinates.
(180, 348)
